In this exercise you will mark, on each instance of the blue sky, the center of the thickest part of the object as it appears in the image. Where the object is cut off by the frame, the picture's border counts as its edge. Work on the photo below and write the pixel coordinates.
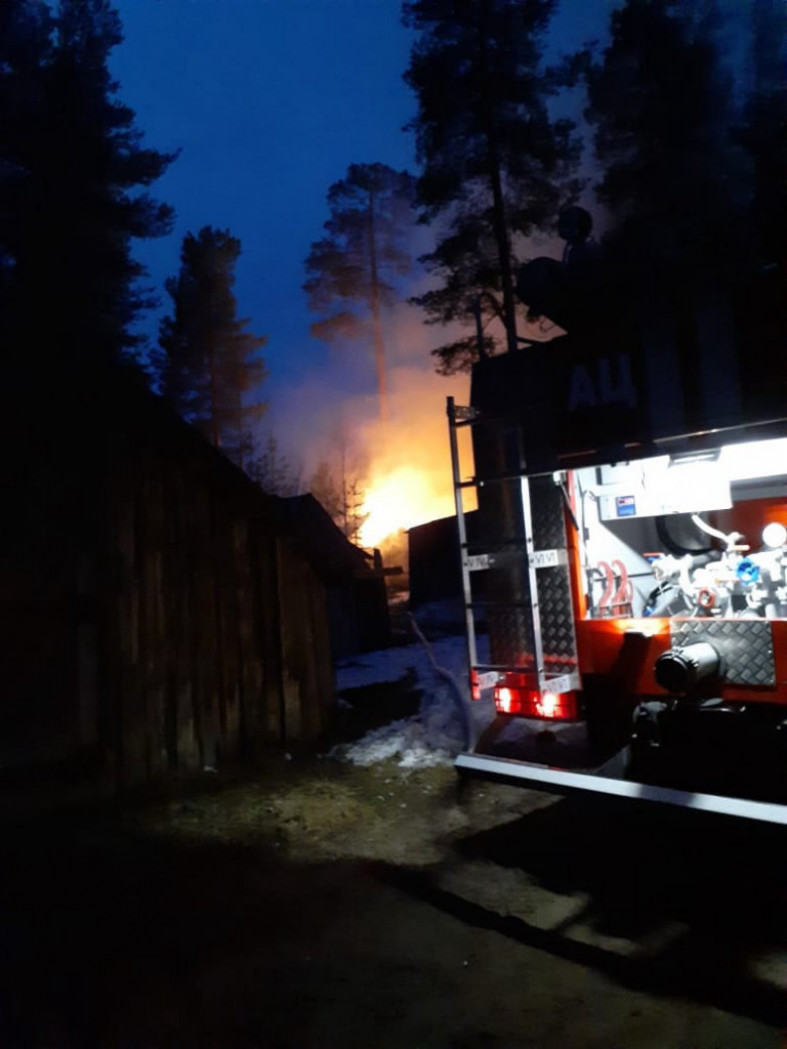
(269, 101)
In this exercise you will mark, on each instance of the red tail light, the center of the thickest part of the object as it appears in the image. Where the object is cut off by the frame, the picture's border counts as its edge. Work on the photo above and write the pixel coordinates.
(475, 687)
(507, 700)
(549, 705)
(530, 703)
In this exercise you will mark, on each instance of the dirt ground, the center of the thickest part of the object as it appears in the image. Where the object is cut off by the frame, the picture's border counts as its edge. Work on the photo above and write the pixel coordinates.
(313, 904)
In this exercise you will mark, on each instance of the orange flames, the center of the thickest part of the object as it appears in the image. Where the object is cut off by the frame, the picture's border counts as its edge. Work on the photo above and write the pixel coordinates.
(400, 468)
(404, 497)
(410, 481)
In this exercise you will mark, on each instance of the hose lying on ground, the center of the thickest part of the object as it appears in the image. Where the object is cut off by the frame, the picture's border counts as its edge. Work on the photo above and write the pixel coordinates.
(461, 701)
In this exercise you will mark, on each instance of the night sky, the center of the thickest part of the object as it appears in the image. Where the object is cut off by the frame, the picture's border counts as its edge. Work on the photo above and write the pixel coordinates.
(270, 101)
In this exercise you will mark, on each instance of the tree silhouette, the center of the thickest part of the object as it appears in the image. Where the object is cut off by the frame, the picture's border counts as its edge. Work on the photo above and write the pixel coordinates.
(663, 111)
(763, 133)
(495, 166)
(72, 178)
(341, 496)
(25, 44)
(209, 361)
(352, 271)
(692, 153)
(270, 468)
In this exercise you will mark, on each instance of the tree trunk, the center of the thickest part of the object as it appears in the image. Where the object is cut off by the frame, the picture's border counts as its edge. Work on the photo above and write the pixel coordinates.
(496, 183)
(214, 422)
(377, 328)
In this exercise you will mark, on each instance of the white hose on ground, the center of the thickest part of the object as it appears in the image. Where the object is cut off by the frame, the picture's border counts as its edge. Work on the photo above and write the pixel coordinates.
(461, 701)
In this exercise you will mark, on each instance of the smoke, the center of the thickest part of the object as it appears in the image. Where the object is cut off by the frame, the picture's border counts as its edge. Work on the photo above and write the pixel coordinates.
(334, 417)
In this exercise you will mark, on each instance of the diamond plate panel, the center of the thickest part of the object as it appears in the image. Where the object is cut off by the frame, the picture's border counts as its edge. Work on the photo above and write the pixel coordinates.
(546, 508)
(510, 637)
(501, 521)
(557, 620)
(745, 644)
(555, 604)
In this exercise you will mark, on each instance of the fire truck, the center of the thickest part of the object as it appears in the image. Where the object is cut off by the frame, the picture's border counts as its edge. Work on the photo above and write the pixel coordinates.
(625, 572)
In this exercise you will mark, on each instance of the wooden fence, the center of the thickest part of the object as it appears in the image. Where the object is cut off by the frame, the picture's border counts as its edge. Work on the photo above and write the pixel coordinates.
(160, 614)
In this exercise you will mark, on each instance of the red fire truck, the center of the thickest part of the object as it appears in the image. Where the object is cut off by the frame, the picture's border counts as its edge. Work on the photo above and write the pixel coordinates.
(625, 581)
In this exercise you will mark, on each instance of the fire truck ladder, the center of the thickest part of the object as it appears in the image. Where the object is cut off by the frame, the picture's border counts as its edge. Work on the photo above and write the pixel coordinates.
(542, 638)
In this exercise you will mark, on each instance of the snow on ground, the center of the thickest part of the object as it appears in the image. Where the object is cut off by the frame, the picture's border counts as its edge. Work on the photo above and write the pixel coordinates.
(391, 664)
(447, 720)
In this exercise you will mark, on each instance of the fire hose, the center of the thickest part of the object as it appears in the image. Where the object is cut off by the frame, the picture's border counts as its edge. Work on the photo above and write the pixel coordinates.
(459, 696)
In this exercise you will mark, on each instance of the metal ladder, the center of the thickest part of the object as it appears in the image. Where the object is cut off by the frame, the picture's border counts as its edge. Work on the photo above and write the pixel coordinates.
(543, 643)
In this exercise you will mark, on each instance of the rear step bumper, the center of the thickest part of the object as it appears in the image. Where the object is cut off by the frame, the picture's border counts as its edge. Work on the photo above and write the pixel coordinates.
(519, 772)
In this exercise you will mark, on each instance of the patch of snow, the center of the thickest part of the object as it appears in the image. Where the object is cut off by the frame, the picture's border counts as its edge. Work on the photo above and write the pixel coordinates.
(438, 732)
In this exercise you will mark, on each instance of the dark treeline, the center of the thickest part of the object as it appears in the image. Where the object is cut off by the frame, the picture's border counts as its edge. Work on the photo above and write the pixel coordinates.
(495, 166)
(688, 148)
(74, 180)
(74, 196)
(75, 183)
(672, 131)
(677, 148)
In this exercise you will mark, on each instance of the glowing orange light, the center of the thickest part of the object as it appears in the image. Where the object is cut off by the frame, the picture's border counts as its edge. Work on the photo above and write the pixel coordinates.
(401, 499)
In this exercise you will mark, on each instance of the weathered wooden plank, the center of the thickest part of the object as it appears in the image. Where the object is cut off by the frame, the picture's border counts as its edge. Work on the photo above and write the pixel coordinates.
(193, 629)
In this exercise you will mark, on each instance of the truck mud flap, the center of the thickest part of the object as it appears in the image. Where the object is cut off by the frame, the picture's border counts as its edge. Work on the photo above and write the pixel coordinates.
(563, 780)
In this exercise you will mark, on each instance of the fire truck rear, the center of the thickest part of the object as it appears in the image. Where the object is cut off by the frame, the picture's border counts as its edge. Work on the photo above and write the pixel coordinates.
(625, 574)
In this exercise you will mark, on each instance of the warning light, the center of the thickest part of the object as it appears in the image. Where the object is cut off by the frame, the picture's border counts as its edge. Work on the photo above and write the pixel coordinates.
(506, 701)
(548, 705)
(514, 697)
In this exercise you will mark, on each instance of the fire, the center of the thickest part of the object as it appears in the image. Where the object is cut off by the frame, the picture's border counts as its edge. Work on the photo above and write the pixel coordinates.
(400, 499)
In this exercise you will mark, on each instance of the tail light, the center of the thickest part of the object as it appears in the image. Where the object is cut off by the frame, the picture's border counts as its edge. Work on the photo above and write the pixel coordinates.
(475, 685)
(479, 681)
(515, 698)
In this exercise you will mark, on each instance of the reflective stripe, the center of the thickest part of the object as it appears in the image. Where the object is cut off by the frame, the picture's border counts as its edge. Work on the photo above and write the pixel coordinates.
(767, 812)
(564, 683)
(549, 558)
(478, 562)
(488, 679)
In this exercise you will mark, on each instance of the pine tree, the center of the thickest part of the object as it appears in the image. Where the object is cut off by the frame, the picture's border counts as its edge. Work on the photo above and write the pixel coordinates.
(354, 515)
(352, 272)
(341, 496)
(209, 360)
(271, 469)
(495, 166)
(693, 178)
(72, 178)
(25, 45)
(663, 110)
